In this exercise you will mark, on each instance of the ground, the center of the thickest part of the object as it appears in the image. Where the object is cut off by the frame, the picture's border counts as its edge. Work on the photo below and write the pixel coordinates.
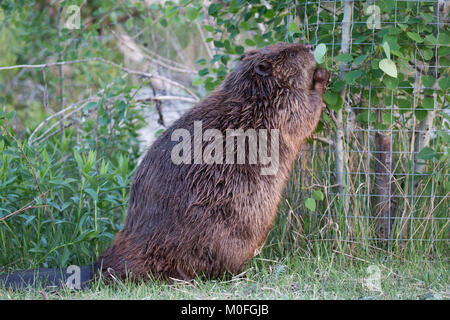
(336, 276)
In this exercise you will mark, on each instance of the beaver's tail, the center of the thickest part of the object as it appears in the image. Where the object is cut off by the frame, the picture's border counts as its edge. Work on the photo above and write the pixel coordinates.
(73, 277)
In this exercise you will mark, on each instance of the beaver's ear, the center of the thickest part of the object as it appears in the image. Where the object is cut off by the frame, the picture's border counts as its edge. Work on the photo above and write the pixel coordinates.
(263, 68)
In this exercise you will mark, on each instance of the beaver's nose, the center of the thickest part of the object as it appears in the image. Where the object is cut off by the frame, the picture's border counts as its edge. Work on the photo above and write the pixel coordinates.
(309, 47)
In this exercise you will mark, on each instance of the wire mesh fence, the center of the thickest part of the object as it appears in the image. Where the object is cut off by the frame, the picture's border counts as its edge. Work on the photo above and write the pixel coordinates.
(387, 137)
(375, 174)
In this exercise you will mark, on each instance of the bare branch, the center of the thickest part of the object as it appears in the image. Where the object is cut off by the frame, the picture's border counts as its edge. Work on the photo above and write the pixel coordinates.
(322, 139)
(124, 69)
(162, 98)
(202, 35)
(156, 61)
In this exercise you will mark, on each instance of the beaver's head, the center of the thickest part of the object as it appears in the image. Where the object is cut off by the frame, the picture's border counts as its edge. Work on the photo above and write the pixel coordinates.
(285, 65)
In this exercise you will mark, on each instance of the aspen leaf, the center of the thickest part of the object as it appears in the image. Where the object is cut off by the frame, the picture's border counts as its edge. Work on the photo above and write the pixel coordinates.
(388, 67)
(319, 53)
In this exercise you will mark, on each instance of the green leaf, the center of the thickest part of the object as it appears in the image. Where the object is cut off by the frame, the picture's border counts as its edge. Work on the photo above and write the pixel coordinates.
(360, 59)
(239, 49)
(414, 36)
(444, 38)
(426, 154)
(389, 5)
(213, 9)
(428, 54)
(65, 256)
(203, 72)
(344, 57)
(387, 118)
(387, 49)
(197, 81)
(318, 195)
(428, 81)
(420, 114)
(443, 51)
(388, 67)
(428, 17)
(218, 44)
(92, 193)
(171, 12)
(88, 235)
(310, 203)
(366, 117)
(428, 103)
(10, 115)
(200, 61)
(330, 98)
(250, 42)
(191, 13)
(78, 159)
(444, 83)
(337, 85)
(431, 40)
(403, 26)
(158, 132)
(293, 27)
(163, 22)
(208, 28)
(319, 53)
(337, 105)
(351, 76)
(391, 83)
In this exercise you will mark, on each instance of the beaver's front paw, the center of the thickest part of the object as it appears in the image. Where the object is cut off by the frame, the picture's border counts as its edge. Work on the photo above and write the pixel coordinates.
(321, 77)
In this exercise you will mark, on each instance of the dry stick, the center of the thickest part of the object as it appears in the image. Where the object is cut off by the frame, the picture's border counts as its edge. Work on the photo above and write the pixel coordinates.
(160, 58)
(162, 98)
(46, 120)
(62, 118)
(158, 105)
(21, 210)
(32, 171)
(150, 75)
(124, 69)
(45, 136)
(202, 36)
(49, 64)
(322, 139)
(45, 90)
(158, 62)
(55, 132)
(80, 105)
(31, 140)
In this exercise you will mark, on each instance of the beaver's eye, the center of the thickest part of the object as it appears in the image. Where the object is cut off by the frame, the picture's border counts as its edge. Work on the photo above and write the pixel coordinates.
(292, 54)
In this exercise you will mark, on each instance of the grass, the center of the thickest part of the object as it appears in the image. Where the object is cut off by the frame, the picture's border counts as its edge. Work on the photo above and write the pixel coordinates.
(310, 254)
(320, 254)
(320, 247)
(296, 276)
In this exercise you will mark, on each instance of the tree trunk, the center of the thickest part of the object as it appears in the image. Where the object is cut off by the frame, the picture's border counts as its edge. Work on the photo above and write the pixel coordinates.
(383, 210)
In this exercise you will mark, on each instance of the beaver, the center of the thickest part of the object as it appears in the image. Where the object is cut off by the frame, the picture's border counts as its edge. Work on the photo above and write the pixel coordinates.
(207, 219)
(186, 220)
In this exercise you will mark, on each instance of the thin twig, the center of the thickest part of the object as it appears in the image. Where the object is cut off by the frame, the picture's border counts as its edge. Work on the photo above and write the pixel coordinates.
(202, 36)
(124, 69)
(162, 98)
(156, 61)
(322, 139)
(22, 210)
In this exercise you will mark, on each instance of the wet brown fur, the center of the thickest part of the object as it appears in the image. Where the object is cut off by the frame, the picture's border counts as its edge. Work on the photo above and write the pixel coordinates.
(208, 219)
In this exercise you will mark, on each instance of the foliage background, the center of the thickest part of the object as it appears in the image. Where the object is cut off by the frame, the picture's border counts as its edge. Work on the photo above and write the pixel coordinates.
(64, 181)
